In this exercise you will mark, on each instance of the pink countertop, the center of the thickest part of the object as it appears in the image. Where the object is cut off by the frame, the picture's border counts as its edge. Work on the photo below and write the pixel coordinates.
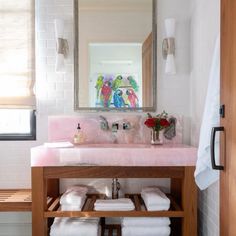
(115, 155)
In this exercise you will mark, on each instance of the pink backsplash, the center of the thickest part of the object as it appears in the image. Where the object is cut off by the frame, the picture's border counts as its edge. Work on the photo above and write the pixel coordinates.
(63, 128)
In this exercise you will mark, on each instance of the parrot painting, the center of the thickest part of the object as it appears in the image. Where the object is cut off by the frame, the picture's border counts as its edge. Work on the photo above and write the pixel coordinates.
(132, 98)
(118, 99)
(106, 94)
(99, 84)
(117, 82)
(133, 83)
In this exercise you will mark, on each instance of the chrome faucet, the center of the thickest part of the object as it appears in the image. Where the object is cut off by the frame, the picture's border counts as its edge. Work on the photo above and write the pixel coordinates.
(114, 127)
(115, 188)
(103, 123)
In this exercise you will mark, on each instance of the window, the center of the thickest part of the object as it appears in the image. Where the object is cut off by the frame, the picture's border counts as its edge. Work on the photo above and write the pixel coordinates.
(17, 70)
(17, 124)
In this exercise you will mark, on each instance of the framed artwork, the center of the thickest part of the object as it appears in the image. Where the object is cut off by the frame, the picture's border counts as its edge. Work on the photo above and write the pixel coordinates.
(116, 91)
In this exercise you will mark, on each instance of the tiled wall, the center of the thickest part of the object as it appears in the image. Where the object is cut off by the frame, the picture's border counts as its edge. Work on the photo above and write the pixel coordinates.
(208, 212)
(204, 31)
(55, 94)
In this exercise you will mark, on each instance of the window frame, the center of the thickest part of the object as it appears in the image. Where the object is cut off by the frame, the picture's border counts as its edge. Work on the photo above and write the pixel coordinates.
(22, 137)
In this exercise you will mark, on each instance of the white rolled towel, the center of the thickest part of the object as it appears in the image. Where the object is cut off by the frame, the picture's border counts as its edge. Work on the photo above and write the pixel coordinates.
(145, 221)
(121, 204)
(75, 227)
(74, 195)
(155, 199)
(146, 231)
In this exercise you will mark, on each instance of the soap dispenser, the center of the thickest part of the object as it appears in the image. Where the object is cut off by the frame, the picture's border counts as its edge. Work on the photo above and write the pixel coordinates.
(79, 136)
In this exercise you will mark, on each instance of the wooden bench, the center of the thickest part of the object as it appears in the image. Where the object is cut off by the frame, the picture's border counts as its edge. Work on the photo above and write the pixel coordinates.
(15, 200)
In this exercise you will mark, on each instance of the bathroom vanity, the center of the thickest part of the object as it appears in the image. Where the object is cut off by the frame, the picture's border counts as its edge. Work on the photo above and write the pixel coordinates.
(48, 166)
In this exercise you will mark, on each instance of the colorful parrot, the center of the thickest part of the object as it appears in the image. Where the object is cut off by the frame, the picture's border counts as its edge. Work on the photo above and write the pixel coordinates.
(106, 94)
(132, 98)
(99, 84)
(118, 99)
(117, 82)
(133, 83)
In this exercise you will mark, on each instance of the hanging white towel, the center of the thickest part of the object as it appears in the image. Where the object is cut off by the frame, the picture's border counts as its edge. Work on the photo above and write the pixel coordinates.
(204, 174)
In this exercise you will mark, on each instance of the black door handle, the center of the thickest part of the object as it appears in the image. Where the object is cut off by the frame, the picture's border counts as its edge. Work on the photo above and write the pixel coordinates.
(213, 135)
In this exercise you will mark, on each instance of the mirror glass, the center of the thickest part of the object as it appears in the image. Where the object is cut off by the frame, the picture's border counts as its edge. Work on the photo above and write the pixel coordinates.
(115, 50)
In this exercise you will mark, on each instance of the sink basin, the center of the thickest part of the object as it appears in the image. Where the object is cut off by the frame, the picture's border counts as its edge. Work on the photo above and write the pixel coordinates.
(115, 155)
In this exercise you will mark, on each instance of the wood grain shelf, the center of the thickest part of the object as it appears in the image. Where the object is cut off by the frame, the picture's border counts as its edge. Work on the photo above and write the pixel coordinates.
(15, 200)
(88, 209)
(45, 193)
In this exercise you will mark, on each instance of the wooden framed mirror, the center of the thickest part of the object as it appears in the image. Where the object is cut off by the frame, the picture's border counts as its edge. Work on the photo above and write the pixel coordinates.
(115, 55)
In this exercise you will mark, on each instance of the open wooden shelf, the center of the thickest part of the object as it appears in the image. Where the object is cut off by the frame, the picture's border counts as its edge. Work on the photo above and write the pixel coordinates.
(88, 209)
(15, 200)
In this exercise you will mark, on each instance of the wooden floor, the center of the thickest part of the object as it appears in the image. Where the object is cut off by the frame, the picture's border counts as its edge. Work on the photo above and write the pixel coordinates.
(15, 200)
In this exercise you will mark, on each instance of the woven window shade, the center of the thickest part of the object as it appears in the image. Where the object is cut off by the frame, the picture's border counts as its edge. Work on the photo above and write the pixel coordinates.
(17, 57)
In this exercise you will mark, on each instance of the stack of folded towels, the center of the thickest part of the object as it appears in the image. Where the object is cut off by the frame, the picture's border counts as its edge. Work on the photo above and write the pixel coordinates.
(73, 199)
(121, 204)
(75, 227)
(155, 199)
(145, 226)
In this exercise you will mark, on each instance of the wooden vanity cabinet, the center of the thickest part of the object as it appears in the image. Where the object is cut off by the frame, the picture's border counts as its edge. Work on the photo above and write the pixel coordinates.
(183, 195)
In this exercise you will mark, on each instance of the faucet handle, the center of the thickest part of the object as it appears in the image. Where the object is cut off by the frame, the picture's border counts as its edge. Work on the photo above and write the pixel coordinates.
(127, 126)
(103, 123)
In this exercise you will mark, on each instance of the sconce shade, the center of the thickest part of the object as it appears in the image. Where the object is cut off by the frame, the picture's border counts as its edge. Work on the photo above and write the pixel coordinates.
(60, 63)
(170, 27)
(168, 47)
(62, 45)
(170, 65)
(59, 28)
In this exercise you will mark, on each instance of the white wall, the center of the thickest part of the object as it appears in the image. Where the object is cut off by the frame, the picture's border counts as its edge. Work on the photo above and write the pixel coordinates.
(173, 94)
(55, 94)
(205, 27)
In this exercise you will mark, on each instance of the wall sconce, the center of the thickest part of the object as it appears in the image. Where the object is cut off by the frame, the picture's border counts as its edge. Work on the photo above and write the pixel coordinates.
(62, 46)
(168, 47)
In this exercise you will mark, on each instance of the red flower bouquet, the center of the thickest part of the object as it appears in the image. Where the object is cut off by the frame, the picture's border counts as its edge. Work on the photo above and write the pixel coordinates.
(158, 122)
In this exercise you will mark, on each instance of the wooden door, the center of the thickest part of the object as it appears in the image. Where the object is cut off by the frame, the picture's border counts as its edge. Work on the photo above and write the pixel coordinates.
(228, 140)
(147, 55)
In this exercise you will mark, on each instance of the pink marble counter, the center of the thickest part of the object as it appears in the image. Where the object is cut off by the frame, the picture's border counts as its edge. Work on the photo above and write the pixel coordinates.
(115, 155)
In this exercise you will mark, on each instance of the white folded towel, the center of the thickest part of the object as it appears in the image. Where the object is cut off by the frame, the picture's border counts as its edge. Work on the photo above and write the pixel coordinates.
(58, 145)
(155, 199)
(145, 221)
(74, 195)
(160, 207)
(68, 207)
(121, 204)
(75, 227)
(146, 231)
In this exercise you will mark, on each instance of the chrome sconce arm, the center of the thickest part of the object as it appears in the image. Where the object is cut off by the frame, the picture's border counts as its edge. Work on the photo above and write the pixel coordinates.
(62, 47)
(168, 47)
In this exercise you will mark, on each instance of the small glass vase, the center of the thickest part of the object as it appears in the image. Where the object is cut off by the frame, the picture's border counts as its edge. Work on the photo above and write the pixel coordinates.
(156, 137)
